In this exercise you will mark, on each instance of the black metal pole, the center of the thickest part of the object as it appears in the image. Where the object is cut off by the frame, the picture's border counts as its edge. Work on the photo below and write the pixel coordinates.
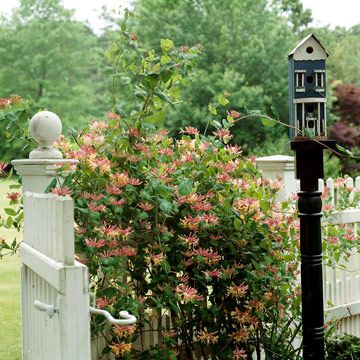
(309, 168)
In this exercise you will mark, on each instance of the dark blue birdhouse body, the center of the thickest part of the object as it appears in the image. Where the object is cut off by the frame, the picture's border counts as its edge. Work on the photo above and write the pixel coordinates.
(307, 90)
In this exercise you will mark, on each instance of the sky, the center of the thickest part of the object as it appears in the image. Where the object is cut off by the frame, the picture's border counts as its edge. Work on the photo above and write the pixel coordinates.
(325, 12)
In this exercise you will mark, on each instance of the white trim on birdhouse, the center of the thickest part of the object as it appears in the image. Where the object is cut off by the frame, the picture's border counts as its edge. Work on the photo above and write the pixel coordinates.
(309, 100)
(300, 71)
(309, 48)
(319, 81)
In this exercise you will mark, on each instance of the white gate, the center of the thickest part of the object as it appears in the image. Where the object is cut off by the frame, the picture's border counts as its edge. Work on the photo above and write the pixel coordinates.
(54, 287)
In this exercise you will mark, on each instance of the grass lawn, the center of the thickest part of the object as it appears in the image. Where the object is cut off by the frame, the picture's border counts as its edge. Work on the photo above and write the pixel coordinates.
(9, 293)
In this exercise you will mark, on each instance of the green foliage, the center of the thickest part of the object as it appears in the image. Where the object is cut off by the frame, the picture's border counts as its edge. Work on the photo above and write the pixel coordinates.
(239, 38)
(343, 347)
(50, 58)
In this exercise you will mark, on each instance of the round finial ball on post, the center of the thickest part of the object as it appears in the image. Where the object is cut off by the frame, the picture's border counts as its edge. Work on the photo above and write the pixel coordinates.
(45, 128)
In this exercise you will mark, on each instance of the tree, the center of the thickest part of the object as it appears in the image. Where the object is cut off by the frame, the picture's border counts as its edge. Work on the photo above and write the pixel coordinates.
(245, 52)
(49, 57)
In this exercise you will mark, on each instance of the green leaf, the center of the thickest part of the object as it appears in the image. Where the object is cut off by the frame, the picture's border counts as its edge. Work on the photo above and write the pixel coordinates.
(185, 187)
(10, 211)
(268, 122)
(175, 92)
(157, 117)
(217, 124)
(15, 186)
(166, 206)
(166, 44)
(51, 185)
(162, 96)
(165, 266)
(166, 75)
(343, 150)
(237, 224)
(223, 100)
(165, 59)
(212, 109)
(309, 133)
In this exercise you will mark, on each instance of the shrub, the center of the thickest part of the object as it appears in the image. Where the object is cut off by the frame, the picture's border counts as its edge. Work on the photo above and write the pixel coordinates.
(343, 347)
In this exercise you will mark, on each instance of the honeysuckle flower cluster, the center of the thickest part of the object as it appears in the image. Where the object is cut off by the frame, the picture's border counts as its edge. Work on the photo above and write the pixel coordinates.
(192, 206)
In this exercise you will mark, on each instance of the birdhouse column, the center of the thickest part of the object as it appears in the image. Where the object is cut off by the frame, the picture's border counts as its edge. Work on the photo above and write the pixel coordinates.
(308, 134)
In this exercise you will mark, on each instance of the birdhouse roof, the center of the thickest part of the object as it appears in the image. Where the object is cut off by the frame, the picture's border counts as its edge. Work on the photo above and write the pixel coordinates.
(300, 53)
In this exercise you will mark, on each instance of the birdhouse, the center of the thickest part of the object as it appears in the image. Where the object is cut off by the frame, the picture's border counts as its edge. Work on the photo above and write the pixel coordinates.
(307, 90)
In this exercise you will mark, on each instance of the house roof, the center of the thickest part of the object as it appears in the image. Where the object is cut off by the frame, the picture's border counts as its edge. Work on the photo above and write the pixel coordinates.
(304, 40)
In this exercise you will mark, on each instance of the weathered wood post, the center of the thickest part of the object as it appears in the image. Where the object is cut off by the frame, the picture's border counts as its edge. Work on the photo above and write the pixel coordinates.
(307, 92)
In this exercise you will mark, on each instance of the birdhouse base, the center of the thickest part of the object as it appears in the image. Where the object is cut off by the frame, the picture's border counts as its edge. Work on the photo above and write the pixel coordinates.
(305, 138)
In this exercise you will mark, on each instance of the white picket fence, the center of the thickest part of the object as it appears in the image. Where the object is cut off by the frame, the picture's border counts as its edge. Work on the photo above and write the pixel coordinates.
(54, 287)
(342, 286)
(55, 295)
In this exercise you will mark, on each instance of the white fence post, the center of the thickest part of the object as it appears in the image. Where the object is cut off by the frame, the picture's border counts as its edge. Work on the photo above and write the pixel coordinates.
(54, 287)
(279, 166)
(40, 169)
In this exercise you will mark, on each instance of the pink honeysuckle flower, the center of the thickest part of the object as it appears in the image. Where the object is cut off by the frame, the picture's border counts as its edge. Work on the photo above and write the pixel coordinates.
(95, 244)
(233, 149)
(190, 222)
(188, 293)
(13, 196)
(102, 302)
(241, 335)
(237, 291)
(112, 244)
(190, 131)
(223, 177)
(134, 182)
(99, 125)
(201, 206)
(110, 231)
(166, 151)
(145, 206)
(156, 259)
(246, 204)
(117, 202)
(191, 239)
(93, 139)
(223, 134)
(112, 116)
(141, 147)
(207, 337)
(214, 273)
(133, 158)
(120, 179)
(113, 189)
(124, 330)
(333, 239)
(340, 182)
(4, 103)
(234, 114)
(120, 348)
(124, 251)
(209, 219)
(239, 354)
(209, 255)
(65, 191)
(96, 208)
(134, 132)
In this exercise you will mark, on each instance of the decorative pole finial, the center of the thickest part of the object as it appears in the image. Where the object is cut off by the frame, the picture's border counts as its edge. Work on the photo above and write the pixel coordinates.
(45, 128)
